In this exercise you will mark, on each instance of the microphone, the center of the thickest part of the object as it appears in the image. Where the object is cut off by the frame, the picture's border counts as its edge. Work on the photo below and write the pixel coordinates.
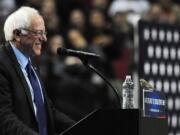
(84, 57)
(145, 85)
(80, 54)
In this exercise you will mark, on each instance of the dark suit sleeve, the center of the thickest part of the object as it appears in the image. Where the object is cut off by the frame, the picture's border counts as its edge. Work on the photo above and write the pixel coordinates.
(9, 122)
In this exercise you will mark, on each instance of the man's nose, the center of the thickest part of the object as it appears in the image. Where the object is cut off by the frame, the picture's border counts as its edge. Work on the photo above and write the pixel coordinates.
(43, 38)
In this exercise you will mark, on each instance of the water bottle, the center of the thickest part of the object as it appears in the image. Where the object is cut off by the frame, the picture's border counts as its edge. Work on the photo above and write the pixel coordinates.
(127, 92)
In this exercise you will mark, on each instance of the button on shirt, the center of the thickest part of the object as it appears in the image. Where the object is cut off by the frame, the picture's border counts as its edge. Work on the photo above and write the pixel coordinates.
(23, 61)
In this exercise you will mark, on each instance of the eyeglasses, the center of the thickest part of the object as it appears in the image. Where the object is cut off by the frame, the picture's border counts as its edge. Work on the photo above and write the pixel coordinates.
(33, 32)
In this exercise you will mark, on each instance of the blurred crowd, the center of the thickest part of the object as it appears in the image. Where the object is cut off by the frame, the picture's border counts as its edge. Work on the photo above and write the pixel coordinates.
(104, 27)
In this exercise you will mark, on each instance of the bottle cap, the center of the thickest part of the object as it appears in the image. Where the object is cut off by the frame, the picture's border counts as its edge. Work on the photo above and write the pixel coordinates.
(128, 77)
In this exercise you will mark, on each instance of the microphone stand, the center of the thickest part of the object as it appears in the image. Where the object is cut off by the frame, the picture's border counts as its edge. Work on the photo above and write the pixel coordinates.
(89, 66)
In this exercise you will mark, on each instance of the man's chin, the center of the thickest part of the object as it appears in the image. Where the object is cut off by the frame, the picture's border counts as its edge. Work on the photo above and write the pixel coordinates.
(36, 52)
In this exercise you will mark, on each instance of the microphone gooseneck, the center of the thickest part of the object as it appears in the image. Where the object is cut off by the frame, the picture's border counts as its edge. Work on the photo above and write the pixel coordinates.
(119, 99)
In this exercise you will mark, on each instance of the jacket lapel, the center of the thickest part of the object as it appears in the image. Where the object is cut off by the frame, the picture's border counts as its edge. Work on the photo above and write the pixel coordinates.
(15, 63)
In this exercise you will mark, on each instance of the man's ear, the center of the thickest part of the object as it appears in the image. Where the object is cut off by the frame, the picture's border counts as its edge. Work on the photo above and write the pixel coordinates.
(17, 34)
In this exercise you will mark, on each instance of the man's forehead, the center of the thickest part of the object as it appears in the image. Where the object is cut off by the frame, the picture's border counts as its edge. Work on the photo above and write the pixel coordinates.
(37, 22)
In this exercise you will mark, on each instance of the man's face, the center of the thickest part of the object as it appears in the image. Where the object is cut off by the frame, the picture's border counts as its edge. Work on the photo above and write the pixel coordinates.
(31, 43)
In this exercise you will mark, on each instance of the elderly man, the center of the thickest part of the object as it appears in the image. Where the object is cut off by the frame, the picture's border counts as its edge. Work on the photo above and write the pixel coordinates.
(24, 106)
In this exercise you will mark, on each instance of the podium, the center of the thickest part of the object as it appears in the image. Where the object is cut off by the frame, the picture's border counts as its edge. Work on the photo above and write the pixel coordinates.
(118, 122)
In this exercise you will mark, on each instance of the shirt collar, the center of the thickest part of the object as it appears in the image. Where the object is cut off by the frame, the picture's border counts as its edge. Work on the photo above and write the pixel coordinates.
(22, 59)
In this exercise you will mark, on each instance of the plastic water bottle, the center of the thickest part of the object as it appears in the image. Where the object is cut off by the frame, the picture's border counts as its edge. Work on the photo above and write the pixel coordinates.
(127, 92)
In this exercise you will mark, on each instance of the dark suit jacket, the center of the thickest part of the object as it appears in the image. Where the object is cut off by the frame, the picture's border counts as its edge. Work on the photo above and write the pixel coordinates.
(16, 109)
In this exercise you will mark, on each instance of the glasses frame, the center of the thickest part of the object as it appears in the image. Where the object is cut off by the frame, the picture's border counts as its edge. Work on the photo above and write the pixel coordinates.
(33, 32)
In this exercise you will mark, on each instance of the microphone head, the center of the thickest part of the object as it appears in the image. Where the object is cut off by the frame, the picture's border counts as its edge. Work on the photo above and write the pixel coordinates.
(79, 54)
(145, 85)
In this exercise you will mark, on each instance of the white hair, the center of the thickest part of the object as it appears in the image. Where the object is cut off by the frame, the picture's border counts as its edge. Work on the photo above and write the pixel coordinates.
(21, 18)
